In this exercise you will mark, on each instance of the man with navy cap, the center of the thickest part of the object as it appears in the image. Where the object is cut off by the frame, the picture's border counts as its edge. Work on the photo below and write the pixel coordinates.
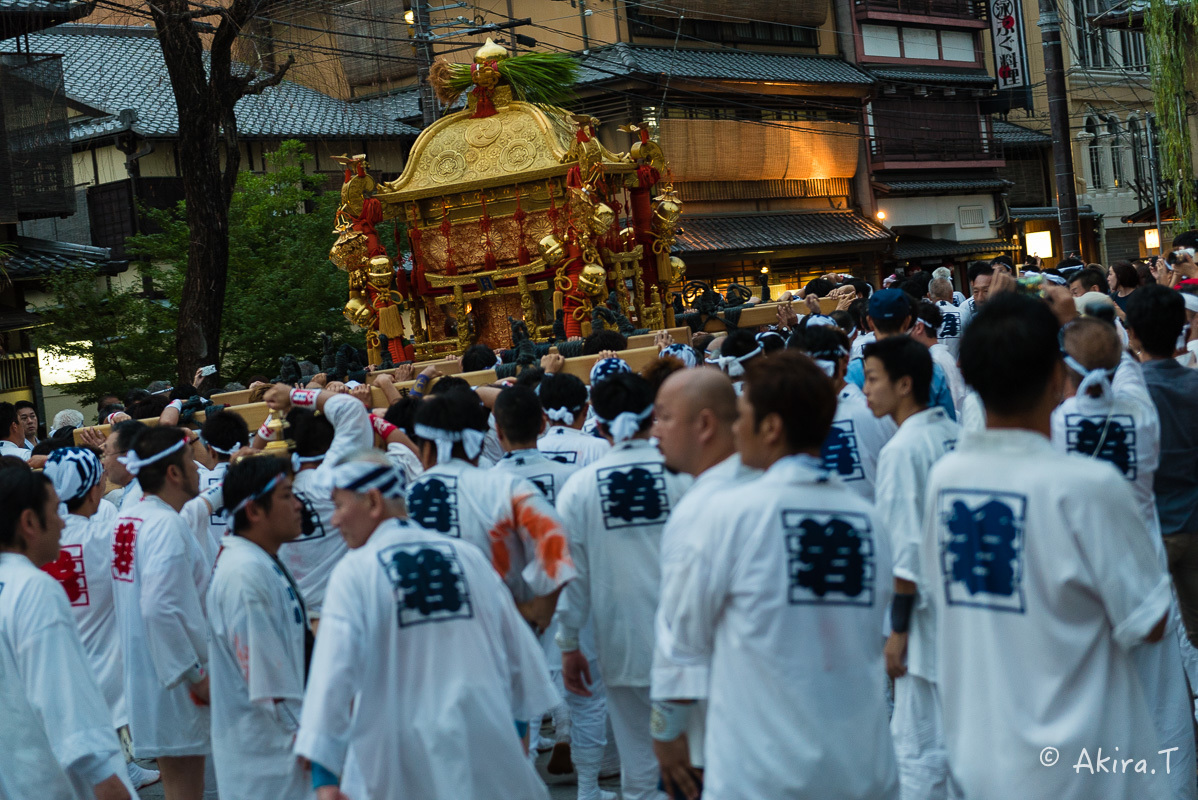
(892, 313)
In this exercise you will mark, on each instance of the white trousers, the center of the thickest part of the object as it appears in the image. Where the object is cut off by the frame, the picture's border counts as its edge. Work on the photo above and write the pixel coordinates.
(588, 715)
(1161, 670)
(919, 740)
(639, 775)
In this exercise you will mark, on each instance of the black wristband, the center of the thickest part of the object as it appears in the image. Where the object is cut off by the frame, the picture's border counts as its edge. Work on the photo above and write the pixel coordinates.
(900, 612)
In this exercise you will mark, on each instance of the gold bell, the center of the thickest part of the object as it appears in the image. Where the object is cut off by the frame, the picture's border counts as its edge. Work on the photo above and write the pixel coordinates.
(551, 249)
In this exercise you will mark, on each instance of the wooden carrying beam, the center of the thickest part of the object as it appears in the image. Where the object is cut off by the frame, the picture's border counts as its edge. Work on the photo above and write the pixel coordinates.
(448, 366)
(767, 314)
(580, 366)
(679, 335)
(638, 359)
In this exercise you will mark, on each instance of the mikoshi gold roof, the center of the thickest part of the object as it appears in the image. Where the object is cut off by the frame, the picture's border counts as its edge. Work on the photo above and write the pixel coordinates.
(521, 142)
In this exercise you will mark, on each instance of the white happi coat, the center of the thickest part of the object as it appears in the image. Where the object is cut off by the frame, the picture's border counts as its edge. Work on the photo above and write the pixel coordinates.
(1045, 578)
(501, 514)
(218, 525)
(84, 568)
(56, 734)
(951, 327)
(311, 558)
(855, 440)
(857, 349)
(1122, 428)
(571, 446)
(257, 621)
(952, 375)
(131, 496)
(614, 511)
(784, 593)
(902, 490)
(406, 461)
(158, 573)
(671, 680)
(423, 632)
(547, 474)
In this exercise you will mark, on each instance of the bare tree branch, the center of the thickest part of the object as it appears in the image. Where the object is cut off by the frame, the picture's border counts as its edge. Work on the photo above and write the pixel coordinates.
(256, 87)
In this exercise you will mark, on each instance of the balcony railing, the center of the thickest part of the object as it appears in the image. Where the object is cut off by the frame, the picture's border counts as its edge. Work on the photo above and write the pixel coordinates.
(36, 174)
(955, 9)
(936, 150)
(15, 371)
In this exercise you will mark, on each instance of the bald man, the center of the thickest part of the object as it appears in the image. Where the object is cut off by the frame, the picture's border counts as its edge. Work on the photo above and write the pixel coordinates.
(693, 416)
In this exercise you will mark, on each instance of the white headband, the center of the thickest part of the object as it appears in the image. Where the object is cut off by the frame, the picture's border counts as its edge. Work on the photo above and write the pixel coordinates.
(1091, 377)
(362, 476)
(230, 513)
(237, 446)
(298, 461)
(471, 439)
(821, 319)
(829, 367)
(827, 360)
(133, 462)
(564, 415)
(626, 424)
(734, 366)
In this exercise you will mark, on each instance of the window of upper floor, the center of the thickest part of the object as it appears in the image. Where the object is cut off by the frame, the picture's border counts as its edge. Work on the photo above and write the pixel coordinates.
(732, 31)
(1117, 154)
(1095, 48)
(921, 44)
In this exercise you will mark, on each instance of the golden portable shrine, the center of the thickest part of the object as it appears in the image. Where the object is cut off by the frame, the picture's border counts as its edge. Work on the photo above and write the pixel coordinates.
(514, 212)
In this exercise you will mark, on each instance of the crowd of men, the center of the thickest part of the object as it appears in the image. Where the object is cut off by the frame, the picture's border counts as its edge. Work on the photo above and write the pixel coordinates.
(924, 547)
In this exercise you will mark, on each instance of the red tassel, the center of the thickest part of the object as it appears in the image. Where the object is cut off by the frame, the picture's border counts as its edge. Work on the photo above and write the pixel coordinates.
(554, 213)
(646, 176)
(522, 255)
(422, 287)
(483, 107)
(574, 177)
(451, 268)
(489, 261)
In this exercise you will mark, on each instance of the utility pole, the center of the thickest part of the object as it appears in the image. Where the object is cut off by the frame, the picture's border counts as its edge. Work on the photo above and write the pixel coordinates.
(1150, 129)
(1058, 116)
(424, 60)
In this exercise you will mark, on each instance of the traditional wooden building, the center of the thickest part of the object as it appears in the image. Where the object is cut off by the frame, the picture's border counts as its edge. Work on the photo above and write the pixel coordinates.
(109, 112)
(757, 109)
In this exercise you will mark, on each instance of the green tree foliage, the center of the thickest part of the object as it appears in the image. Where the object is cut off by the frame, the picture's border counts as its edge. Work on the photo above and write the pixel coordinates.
(283, 292)
(1170, 27)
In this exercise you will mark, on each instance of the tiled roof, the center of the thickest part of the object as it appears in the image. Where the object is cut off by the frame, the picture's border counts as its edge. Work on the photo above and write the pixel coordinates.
(26, 16)
(935, 77)
(619, 60)
(773, 231)
(12, 319)
(113, 67)
(43, 6)
(39, 258)
(1012, 135)
(945, 186)
(402, 105)
(84, 128)
(911, 248)
(1050, 212)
